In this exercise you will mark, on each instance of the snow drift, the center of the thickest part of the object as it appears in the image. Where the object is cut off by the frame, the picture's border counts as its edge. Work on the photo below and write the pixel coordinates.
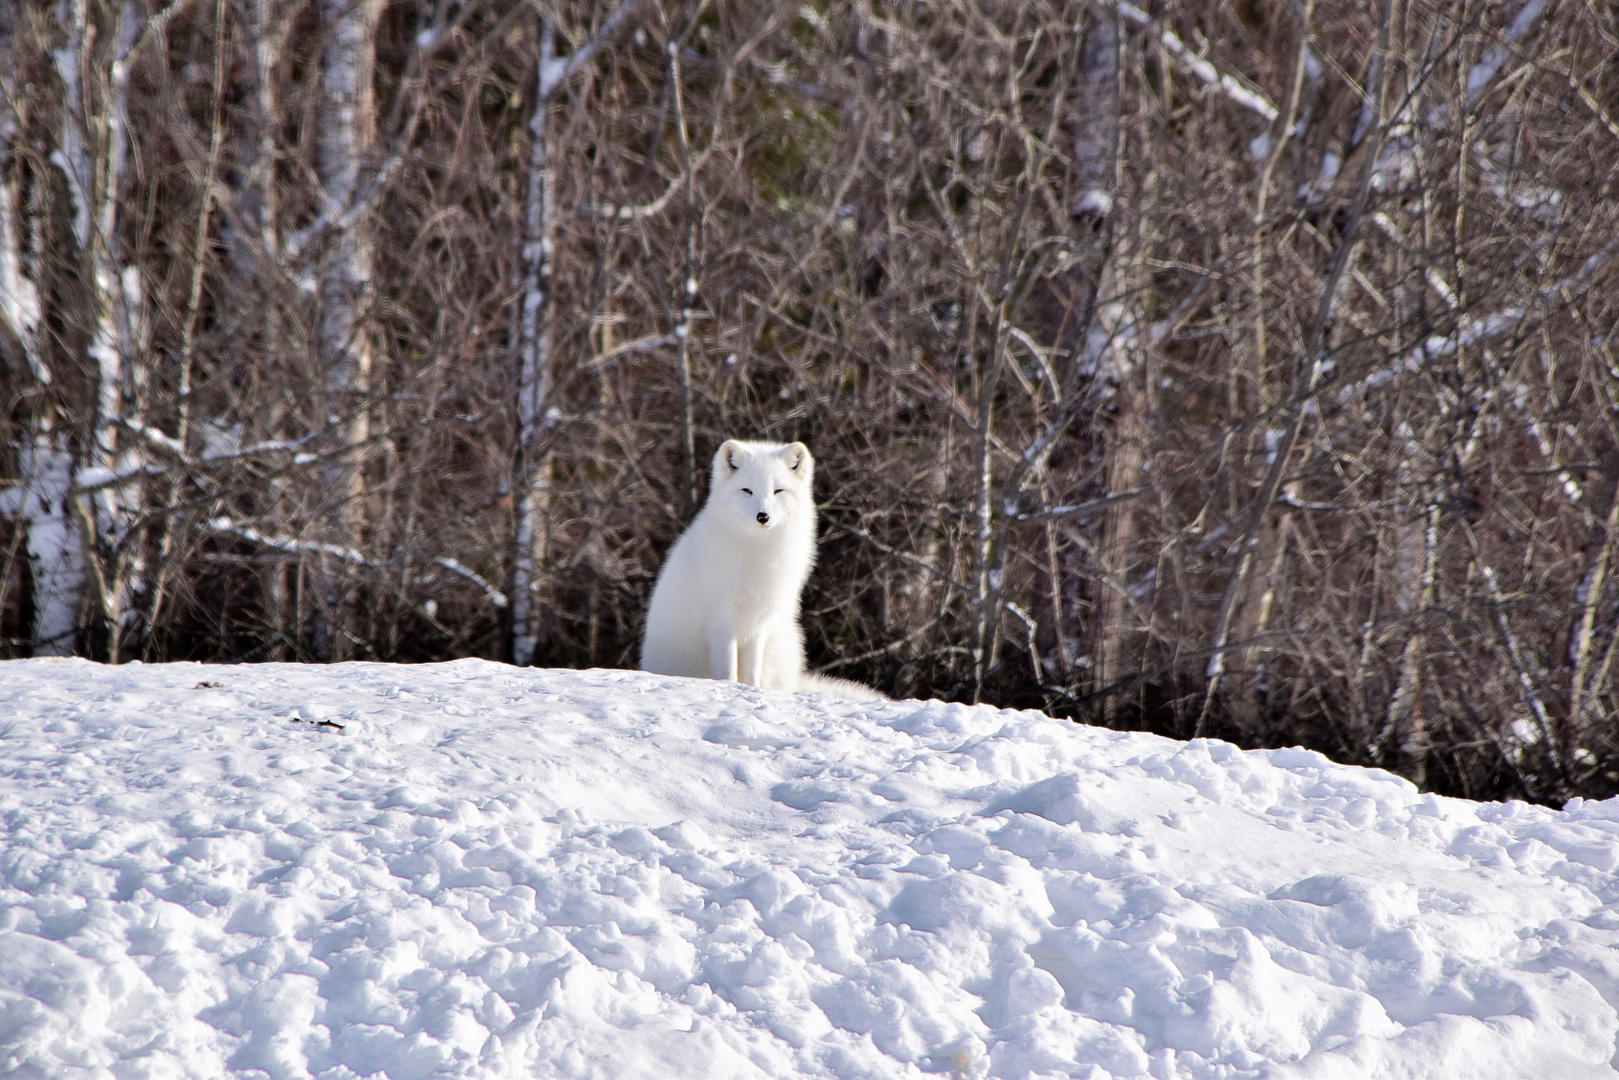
(469, 869)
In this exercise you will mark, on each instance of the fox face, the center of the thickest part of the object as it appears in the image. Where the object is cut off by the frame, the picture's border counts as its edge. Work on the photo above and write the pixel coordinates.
(760, 485)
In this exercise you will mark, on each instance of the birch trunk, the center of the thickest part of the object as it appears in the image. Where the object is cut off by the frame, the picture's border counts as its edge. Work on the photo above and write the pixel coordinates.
(533, 405)
(1404, 721)
(92, 154)
(688, 295)
(39, 501)
(258, 208)
(348, 129)
(250, 233)
(1109, 352)
(20, 310)
(55, 544)
(1125, 450)
(986, 576)
(534, 364)
(1110, 348)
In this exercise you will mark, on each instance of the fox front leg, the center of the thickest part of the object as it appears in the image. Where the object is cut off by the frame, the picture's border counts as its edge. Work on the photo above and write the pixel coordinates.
(722, 653)
(751, 653)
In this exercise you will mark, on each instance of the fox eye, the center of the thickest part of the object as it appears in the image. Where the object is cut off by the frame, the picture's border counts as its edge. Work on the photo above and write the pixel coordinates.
(780, 490)
(747, 491)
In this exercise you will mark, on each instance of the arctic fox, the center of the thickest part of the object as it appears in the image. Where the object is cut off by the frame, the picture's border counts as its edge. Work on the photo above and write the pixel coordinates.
(726, 602)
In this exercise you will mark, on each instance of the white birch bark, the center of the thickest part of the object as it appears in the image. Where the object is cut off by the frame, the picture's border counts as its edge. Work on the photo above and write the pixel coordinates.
(252, 251)
(38, 502)
(1416, 551)
(54, 544)
(92, 154)
(1112, 351)
(1524, 669)
(533, 408)
(534, 360)
(689, 290)
(19, 228)
(19, 297)
(250, 232)
(347, 132)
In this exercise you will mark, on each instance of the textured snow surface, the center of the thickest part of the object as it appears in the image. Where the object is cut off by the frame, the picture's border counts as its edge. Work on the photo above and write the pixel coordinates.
(491, 871)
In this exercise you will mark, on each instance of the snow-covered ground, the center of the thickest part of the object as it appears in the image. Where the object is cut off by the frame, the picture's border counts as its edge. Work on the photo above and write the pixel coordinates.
(493, 871)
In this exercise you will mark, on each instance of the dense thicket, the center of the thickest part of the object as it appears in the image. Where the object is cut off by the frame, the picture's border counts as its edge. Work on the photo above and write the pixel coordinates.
(1240, 368)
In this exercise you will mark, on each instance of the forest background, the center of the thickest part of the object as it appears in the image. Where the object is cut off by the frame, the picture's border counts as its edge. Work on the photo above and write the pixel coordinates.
(1241, 368)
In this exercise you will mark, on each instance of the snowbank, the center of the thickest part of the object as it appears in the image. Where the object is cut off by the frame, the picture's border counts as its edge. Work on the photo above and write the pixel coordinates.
(490, 871)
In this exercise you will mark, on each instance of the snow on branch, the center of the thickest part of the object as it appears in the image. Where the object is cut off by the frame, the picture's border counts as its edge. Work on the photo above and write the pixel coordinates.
(156, 25)
(1472, 329)
(1086, 507)
(650, 343)
(1436, 281)
(1238, 94)
(291, 546)
(558, 70)
(337, 218)
(168, 445)
(1484, 72)
(100, 478)
(496, 597)
(638, 211)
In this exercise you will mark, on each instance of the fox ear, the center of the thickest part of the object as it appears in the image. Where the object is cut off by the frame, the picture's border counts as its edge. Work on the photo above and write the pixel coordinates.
(798, 456)
(728, 453)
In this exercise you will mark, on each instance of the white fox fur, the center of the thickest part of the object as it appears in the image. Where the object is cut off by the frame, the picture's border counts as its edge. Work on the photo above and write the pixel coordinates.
(726, 602)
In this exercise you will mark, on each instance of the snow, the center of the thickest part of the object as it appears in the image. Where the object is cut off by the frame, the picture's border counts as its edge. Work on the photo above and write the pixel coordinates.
(469, 869)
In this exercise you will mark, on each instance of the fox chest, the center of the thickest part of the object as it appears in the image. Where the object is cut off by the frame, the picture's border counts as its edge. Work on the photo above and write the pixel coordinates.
(752, 590)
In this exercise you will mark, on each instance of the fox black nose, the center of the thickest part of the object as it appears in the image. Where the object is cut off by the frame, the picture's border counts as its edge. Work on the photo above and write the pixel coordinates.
(762, 518)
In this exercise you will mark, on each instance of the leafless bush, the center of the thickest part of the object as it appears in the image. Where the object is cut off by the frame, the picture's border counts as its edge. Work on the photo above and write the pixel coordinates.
(1224, 370)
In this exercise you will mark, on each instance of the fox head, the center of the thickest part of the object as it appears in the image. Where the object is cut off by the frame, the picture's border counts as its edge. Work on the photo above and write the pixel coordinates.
(762, 485)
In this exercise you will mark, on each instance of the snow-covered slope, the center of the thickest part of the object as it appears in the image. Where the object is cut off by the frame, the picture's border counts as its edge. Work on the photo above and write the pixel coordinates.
(491, 871)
